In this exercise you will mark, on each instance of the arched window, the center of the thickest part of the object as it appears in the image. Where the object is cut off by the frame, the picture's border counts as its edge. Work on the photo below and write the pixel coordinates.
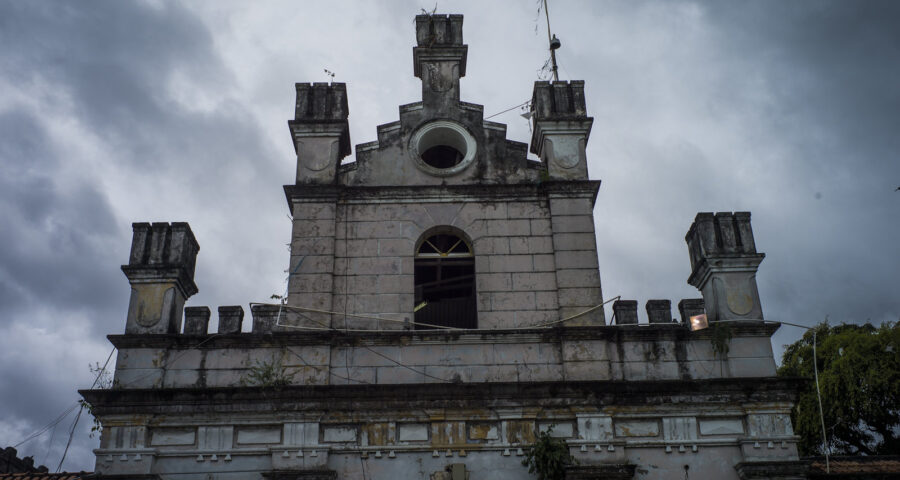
(445, 282)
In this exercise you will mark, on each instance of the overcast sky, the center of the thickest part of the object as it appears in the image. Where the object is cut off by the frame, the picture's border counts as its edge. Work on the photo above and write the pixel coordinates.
(121, 111)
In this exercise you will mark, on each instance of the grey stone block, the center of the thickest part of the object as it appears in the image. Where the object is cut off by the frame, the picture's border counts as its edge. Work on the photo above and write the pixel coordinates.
(312, 283)
(493, 282)
(230, 319)
(533, 281)
(659, 311)
(518, 245)
(196, 320)
(584, 350)
(689, 307)
(313, 228)
(576, 259)
(571, 206)
(314, 211)
(508, 228)
(546, 300)
(395, 247)
(312, 246)
(625, 312)
(585, 297)
(540, 244)
(512, 301)
(492, 246)
(568, 278)
(544, 263)
(511, 263)
(379, 229)
(574, 241)
(481, 211)
(265, 318)
(541, 226)
(528, 210)
(573, 224)
(312, 264)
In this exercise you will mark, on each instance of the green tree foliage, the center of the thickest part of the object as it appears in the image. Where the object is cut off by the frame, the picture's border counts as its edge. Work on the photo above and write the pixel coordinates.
(859, 376)
(548, 457)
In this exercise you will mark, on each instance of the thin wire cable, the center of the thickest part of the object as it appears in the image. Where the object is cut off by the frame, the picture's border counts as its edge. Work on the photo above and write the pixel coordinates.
(329, 370)
(406, 366)
(388, 319)
(347, 361)
(165, 365)
(68, 410)
(105, 364)
(50, 425)
(80, 410)
(550, 41)
(347, 280)
(508, 109)
(49, 445)
(825, 446)
(69, 441)
(352, 315)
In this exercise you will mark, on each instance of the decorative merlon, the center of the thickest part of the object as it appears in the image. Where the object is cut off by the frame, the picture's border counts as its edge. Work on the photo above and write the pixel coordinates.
(161, 272)
(561, 128)
(724, 262)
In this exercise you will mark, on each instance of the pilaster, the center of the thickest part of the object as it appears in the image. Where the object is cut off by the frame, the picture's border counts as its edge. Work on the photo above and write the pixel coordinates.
(575, 253)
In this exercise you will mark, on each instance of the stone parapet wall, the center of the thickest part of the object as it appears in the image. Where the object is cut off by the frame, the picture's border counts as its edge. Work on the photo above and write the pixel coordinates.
(632, 353)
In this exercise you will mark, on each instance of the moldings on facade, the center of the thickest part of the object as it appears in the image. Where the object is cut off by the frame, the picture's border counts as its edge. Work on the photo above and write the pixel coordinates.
(444, 307)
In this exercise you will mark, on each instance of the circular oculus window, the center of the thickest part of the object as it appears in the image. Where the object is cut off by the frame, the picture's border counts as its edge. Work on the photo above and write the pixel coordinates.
(442, 148)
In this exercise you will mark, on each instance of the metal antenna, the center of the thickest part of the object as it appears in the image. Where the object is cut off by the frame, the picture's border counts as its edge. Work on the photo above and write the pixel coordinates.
(554, 44)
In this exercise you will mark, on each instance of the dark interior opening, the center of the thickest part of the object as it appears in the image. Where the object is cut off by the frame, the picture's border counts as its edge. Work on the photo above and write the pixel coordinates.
(445, 284)
(442, 156)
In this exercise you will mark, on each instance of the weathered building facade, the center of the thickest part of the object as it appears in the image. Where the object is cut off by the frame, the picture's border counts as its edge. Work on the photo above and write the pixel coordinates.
(444, 306)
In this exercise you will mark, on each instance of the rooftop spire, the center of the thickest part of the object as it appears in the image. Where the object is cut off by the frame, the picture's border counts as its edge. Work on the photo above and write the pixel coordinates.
(439, 58)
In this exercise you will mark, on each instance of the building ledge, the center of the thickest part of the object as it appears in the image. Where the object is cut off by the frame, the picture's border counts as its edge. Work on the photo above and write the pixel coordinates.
(441, 395)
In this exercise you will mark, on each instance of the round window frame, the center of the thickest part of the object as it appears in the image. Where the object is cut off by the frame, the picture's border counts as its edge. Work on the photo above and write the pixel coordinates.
(431, 129)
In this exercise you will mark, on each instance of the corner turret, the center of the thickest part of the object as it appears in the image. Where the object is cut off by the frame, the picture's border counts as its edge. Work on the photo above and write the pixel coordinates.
(724, 262)
(161, 272)
(439, 59)
(561, 128)
(320, 131)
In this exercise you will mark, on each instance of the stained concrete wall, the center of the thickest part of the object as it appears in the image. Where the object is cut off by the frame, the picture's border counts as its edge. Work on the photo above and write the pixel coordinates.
(632, 352)
(356, 255)
(708, 430)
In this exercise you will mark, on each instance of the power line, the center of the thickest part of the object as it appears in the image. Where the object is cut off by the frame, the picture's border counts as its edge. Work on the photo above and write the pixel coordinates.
(50, 425)
(508, 109)
(78, 417)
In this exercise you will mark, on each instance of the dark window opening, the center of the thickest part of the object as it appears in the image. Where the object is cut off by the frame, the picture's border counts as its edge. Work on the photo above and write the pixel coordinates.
(445, 283)
(442, 156)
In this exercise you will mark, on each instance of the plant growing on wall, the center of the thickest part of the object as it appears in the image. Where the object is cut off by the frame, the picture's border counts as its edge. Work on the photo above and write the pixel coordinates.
(548, 457)
(721, 337)
(267, 374)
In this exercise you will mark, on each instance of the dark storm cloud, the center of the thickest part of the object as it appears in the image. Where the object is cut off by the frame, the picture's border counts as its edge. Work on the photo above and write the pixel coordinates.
(113, 58)
(116, 112)
(53, 235)
(789, 110)
(106, 79)
(834, 68)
